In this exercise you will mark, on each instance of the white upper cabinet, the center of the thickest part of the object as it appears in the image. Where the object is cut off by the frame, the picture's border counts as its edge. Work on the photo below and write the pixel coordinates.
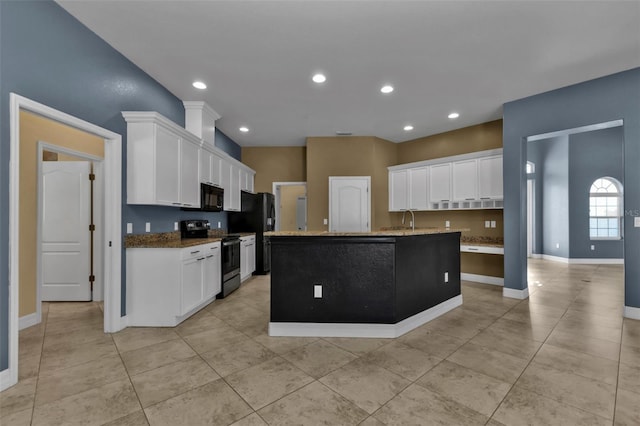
(418, 178)
(162, 162)
(440, 183)
(398, 190)
(209, 167)
(189, 179)
(490, 177)
(247, 180)
(465, 180)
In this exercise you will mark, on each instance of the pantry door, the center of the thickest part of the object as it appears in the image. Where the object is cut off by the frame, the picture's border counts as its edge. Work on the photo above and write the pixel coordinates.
(349, 204)
(65, 243)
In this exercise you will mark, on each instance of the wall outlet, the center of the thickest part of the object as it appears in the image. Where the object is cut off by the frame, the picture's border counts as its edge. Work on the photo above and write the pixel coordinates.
(557, 245)
(487, 223)
(446, 277)
(447, 224)
(325, 221)
(593, 247)
(219, 225)
(129, 228)
(317, 291)
(175, 226)
(493, 223)
(147, 227)
(410, 223)
(636, 222)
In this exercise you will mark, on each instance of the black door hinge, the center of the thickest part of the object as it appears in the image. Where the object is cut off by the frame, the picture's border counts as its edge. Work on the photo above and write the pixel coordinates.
(92, 227)
(92, 176)
(92, 278)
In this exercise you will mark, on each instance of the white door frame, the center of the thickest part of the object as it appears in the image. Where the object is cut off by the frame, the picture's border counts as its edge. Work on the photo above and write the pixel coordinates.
(112, 221)
(530, 217)
(96, 294)
(368, 179)
(275, 186)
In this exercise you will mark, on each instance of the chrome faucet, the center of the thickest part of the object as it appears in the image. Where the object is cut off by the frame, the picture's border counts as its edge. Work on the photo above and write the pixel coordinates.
(413, 218)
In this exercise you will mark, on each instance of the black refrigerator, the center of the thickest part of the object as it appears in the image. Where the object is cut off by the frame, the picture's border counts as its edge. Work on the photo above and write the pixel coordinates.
(258, 214)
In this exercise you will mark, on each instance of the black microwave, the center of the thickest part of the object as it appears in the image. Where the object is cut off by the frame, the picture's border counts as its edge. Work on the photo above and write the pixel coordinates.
(211, 198)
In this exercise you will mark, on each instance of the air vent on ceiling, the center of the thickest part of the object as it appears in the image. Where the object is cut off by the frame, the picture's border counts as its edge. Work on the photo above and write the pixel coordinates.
(340, 133)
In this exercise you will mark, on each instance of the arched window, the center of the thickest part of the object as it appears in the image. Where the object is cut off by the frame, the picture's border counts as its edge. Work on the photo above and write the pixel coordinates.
(605, 207)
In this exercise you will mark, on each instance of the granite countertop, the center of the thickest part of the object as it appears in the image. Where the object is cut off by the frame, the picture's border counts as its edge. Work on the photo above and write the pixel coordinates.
(173, 240)
(482, 241)
(392, 232)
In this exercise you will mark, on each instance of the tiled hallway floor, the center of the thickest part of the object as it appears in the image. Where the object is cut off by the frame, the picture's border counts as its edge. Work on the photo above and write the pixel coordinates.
(565, 356)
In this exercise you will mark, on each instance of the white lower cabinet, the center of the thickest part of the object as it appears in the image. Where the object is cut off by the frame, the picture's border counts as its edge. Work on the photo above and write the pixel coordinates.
(247, 256)
(167, 285)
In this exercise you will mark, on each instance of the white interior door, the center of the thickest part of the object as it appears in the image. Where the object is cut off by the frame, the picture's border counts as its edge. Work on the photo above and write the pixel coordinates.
(349, 204)
(65, 244)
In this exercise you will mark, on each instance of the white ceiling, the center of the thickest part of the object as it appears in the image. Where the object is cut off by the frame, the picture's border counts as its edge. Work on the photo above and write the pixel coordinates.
(257, 58)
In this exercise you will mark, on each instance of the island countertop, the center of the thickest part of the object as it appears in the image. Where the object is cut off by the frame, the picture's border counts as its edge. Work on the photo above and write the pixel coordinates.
(380, 233)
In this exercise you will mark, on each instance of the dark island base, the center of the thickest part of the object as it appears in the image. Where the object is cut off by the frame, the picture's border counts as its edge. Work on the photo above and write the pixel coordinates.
(371, 286)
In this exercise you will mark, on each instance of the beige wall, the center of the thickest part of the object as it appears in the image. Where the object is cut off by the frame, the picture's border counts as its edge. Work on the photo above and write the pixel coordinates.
(347, 156)
(288, 206)
(461, 141)
(276, 164)
(34, 128)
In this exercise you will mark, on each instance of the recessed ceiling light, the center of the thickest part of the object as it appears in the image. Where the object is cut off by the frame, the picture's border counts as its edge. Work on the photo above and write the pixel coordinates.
(244, 129)
(319, 78)
(199, 85)
(454, 115)
(386, 89)
(408, 127)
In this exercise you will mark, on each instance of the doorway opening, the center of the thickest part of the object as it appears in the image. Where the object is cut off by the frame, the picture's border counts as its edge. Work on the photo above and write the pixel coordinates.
(291, 206)
(111, 234)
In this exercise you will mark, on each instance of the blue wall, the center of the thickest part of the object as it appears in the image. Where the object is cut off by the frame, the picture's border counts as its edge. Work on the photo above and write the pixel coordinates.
(48, 56)
(601, 100)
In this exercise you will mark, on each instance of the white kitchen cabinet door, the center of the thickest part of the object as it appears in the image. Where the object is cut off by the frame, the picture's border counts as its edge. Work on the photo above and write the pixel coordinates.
(440, 182)
(167, 168)
(192, 295)
(205, 159)
(418, 188)
(216, 170)
(465, 180)
(234, 186)
(212, 277)
(490, 177)
(398, 190)
(189, 175)
(247, 256)
(225, 182)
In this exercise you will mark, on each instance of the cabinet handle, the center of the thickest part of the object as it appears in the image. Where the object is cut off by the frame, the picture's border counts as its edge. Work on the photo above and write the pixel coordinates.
(469, 199)
(188, 205)
(177, 204)
(485, 198)
(472, 249)
(200, 258)
(194, 252)
(444, 200)
(210, 256)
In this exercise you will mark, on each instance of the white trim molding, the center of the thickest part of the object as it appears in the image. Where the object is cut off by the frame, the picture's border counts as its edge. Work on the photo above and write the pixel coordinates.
(582, 261)
(557, 259)
(28, 320)
(484, 279)
(515, 293)
(382, 331)
(632, 312)
(112, 221)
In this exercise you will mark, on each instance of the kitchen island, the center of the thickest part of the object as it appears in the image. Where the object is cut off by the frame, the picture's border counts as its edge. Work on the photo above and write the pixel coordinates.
(374, 284)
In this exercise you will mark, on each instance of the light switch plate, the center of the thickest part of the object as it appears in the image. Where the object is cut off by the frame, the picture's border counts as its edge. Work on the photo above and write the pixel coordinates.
(593, 247)
(219, 225)
(446, 277)
(325, 221)
(175, 226)
(447, 224)
(317, 291)
(487, 223)
(636, 221)
(147, 227)
(493, 223)
(129, 228)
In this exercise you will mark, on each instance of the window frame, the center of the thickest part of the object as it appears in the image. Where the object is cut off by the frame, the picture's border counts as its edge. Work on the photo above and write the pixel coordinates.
(618, 196)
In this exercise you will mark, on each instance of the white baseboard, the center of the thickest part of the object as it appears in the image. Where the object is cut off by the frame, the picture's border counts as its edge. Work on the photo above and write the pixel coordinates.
(515, 294)
(536, 256)
(306, 329)
(7, 380)
(484, 279)
(28, 320)
(582, 261)
(632, 312)
(589, 261)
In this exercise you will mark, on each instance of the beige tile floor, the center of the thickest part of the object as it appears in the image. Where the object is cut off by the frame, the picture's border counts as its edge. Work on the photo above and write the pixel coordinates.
(565, 356)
